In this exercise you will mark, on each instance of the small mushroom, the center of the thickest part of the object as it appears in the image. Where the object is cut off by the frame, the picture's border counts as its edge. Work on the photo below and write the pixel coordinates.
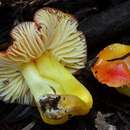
(37, 68)
(112, 67)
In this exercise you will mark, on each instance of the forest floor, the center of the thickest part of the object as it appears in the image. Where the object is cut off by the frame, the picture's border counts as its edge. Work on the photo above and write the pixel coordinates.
(103, 23)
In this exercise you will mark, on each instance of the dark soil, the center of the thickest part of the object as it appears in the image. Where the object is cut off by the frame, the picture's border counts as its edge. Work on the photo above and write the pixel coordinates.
(103, 23)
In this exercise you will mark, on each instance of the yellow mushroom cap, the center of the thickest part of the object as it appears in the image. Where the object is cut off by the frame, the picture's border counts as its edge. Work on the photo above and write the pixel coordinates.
(52, 30)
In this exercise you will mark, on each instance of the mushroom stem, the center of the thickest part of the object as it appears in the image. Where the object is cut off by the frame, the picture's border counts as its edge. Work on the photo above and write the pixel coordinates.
(125, 91)
(39, 86)
(58, 95)
(50, 68)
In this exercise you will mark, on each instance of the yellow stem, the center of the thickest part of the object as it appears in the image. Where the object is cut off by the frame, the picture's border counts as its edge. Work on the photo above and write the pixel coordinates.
(50, 68)
(56, 92)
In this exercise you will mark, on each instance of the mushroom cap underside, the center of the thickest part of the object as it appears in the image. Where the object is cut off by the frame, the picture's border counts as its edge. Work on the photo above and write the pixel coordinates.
(51, 30)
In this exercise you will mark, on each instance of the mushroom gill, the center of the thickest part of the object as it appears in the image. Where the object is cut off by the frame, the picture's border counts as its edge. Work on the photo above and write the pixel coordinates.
(43, 56)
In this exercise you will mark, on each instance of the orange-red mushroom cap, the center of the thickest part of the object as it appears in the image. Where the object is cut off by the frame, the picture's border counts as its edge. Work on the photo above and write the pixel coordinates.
(113, 66)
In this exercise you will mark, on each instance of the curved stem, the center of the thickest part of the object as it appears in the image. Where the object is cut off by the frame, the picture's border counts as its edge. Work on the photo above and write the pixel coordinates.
(57, 93)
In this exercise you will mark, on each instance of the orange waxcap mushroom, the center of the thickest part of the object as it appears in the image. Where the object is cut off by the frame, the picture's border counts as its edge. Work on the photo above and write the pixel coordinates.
(114, 74)
(112, 66)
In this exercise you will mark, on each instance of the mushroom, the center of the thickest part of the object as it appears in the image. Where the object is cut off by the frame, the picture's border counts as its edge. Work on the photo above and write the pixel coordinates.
(112, 67)
(37, 68)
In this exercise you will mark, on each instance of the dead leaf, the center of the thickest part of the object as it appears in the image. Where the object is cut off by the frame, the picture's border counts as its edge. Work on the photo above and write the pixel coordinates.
(101, 124)
(29, 126)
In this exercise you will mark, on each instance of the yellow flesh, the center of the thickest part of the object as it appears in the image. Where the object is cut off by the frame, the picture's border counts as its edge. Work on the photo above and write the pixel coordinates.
(46, 73)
